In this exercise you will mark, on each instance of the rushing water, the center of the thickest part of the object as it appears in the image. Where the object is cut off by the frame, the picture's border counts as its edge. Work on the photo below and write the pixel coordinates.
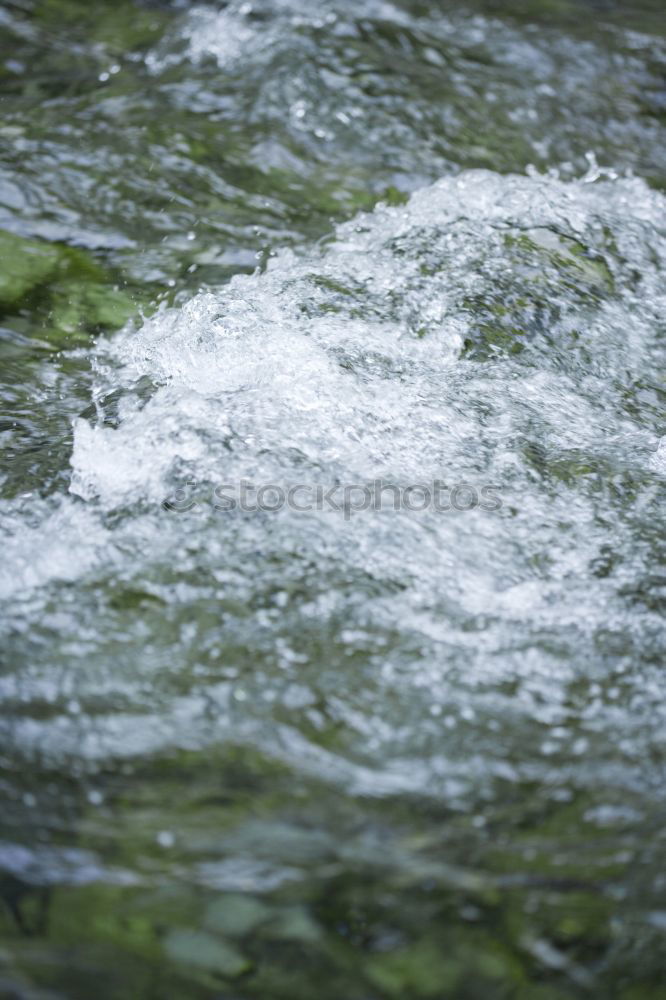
(366, 750)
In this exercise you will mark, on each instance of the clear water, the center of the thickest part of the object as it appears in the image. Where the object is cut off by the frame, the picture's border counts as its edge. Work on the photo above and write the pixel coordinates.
(333, 753)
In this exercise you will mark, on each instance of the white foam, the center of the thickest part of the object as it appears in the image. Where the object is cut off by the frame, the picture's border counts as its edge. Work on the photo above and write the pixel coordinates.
(343, 365)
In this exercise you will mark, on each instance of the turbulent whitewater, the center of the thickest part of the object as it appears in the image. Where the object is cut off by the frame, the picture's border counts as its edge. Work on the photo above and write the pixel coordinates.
(370, 751)
(494, 330)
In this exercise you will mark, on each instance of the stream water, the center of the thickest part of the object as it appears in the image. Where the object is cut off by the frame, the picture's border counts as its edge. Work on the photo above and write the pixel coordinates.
(331, 500)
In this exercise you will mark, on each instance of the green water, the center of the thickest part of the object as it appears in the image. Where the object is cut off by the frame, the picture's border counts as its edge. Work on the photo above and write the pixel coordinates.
(397, 754)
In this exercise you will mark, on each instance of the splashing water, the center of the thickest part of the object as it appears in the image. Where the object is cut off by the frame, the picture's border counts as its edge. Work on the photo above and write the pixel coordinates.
(407, 752)
(495, 330)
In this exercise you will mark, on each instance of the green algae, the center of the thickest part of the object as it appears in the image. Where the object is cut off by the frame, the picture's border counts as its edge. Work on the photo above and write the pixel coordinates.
(25, 265)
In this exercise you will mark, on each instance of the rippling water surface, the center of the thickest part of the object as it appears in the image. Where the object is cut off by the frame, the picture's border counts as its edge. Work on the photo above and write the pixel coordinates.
(365, 753)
